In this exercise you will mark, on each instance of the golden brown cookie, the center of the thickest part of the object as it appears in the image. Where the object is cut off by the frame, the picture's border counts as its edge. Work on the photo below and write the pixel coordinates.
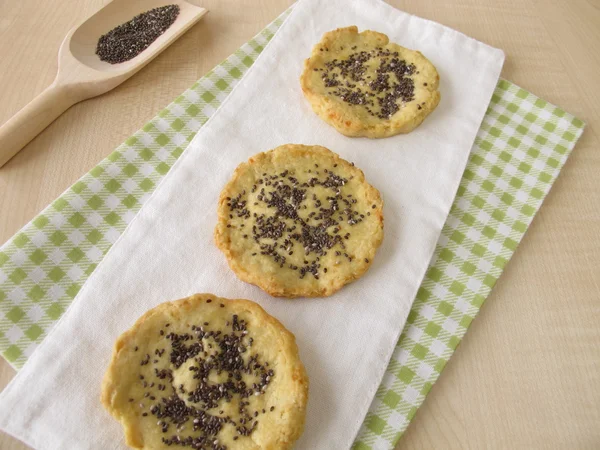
(299, 221)
(207, 373)
(364, 85)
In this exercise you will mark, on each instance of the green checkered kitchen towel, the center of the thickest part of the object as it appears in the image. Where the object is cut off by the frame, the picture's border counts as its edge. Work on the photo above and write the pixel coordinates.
(521, 146)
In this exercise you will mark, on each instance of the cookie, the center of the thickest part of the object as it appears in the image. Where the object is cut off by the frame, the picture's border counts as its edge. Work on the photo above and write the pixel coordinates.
(299, 221)
(364, 85)
(207, 373)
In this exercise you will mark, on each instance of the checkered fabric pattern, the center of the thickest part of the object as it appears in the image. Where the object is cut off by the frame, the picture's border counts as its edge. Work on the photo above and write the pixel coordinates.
(521, 146)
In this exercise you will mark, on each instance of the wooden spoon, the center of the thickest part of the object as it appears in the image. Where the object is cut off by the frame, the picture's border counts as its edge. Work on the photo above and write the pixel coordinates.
(81, 73)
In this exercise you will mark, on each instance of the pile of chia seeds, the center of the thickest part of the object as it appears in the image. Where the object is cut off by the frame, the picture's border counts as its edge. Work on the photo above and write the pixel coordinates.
(381, 97)
(193, 417)
(128, 40)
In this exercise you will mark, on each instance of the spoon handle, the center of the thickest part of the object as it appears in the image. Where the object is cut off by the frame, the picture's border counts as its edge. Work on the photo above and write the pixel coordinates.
(32, 119)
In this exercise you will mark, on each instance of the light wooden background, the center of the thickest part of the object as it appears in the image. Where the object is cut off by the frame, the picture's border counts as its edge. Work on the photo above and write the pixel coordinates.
(527, 375)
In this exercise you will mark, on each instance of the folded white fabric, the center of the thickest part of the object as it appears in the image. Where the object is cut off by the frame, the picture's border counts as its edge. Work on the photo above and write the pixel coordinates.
(167, 252)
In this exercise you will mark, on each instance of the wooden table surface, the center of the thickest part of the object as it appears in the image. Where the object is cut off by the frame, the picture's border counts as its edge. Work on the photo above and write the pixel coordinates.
(527, 374)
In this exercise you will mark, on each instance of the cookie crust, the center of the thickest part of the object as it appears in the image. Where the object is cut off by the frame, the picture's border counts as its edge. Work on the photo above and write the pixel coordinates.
(364, 85)
(292, 239)
(148, 364)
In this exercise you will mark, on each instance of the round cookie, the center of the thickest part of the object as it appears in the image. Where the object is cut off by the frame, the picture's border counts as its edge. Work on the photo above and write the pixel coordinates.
(299, 221)
(364, 85)
(207, 373)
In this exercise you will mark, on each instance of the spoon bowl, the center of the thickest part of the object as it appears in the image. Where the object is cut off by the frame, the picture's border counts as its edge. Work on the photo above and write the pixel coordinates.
(82, 74)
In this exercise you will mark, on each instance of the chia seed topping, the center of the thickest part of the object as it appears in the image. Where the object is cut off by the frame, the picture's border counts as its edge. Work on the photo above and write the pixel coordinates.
(198, 410)
(287, 229)
(392, 88)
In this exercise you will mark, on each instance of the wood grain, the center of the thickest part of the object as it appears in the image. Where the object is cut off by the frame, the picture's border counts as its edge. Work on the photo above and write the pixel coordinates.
(81, 74)
(527, 374)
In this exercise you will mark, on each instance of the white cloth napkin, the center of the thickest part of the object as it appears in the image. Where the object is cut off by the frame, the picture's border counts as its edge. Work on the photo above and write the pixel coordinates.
(167, 252)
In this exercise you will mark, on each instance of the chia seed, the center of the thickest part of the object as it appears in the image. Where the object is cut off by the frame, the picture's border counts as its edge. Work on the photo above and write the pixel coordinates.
(199, 408)
(392, 87)
(128, 40)
(284, 229)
